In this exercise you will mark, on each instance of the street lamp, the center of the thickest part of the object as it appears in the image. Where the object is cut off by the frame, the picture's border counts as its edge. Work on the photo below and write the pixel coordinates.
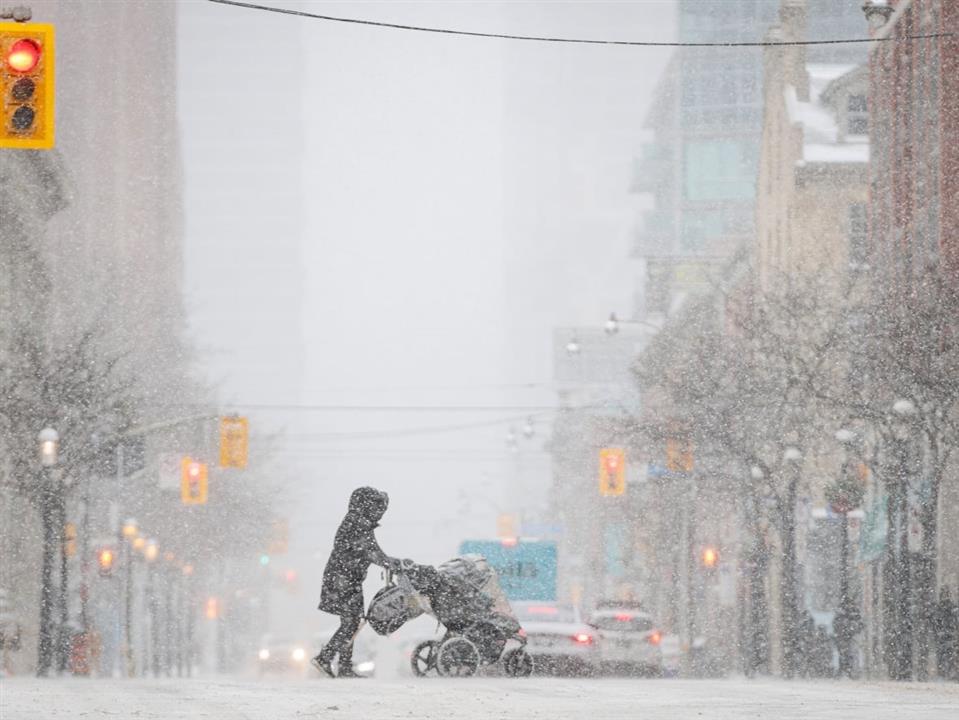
(573, 347)
(613, 323)
(528, 429)
(152, 550)
(129, 529)
(904, 408)
(49, 440)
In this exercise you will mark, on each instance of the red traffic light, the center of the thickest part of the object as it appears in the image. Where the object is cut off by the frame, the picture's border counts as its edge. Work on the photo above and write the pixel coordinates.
(194, 470)
(23, 56)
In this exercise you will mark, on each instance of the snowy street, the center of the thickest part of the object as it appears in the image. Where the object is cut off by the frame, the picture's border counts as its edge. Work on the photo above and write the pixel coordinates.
(31, 699)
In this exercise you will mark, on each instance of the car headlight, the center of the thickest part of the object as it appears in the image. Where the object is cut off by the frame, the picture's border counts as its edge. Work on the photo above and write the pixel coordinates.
(264, 654)
(367, 666)
(299, 654)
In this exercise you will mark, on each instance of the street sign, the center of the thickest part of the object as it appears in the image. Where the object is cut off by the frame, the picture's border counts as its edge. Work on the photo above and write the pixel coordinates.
(526, 569)
(168, 471)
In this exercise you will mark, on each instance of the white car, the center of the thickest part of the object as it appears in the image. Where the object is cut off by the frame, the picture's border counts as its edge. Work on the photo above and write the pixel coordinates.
(628, 641)
(557, 638)
(278, 654)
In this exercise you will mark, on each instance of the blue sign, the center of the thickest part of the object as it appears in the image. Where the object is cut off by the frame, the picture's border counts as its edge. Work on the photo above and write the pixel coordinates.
(527, 570)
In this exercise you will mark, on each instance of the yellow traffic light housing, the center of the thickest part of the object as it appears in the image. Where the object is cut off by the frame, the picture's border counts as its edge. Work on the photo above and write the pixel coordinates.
(27, 85)
(193, 482)
(679, 455)
(612, 471)
(234, 441)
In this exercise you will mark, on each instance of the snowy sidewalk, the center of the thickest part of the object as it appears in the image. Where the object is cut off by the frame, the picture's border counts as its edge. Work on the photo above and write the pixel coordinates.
(238, 699)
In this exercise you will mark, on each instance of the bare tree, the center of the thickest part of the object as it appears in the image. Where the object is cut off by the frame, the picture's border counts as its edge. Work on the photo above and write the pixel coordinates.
(76, 387)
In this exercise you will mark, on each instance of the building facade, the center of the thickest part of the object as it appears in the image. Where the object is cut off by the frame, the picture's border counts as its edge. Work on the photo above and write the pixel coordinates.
(914, 214)
(702, 162)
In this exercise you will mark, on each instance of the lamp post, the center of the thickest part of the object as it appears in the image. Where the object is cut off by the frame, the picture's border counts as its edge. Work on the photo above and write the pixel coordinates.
(792, 458)
(128, 534)
(151, 552)
(898, 616)
(51, 498)
(844, 495)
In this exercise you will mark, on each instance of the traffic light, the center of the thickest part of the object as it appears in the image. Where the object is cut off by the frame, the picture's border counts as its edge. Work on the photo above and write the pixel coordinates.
(70, 540)
(679, 455)
(506, 527)
(612, 471)
(105, 561)
(193, 487)
(26, 85)
(710, 557)
(211, 608)
(234, 441)
(279, 537)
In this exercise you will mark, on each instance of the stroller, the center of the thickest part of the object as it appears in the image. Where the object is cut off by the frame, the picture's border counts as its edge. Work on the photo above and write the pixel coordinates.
(464, 595)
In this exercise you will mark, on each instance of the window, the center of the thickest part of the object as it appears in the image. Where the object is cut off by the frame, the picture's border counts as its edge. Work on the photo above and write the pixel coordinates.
(858, 232)
(857, 119)
(719, 170)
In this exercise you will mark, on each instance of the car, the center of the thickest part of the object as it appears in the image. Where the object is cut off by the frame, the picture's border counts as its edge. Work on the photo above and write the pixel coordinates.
(364, 655)
(627, 641)
(558, 639)
(281, 654)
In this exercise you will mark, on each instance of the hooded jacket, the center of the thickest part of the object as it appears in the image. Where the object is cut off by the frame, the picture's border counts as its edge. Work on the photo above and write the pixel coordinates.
(354, 550)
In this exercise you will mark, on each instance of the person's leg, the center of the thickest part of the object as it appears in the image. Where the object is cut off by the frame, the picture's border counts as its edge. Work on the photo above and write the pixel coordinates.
(342, 637)
(349, 627)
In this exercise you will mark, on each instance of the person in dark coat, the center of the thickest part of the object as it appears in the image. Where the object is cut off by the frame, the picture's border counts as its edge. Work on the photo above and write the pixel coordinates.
(946, 629)
(354, 550)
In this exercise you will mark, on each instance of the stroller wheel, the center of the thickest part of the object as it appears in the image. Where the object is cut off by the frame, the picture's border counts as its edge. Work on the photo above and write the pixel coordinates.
(518, 663)
(457, 657)
(423, 658)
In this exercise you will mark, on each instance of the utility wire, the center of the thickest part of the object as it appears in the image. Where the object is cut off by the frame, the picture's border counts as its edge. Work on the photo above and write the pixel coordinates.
(294, 407)
(575, 41)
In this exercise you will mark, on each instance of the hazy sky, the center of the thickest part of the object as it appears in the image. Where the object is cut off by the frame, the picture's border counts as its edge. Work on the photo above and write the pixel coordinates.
(383, 218)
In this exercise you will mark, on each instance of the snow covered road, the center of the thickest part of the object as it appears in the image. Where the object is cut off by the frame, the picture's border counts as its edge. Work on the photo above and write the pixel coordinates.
(238, 699)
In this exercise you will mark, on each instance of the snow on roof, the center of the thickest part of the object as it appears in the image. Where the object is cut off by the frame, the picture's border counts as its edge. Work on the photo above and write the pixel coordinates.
(821, 142)
(851, 152)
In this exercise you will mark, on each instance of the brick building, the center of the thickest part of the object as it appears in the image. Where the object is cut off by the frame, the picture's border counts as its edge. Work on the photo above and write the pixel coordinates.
(914, 114)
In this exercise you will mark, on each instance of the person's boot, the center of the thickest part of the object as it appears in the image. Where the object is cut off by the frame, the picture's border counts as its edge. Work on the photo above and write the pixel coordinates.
(323, 664)
(347, 671)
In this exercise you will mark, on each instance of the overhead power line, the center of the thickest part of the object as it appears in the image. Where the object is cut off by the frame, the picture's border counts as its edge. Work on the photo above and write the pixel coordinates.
(296, 407)
(574, 41)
